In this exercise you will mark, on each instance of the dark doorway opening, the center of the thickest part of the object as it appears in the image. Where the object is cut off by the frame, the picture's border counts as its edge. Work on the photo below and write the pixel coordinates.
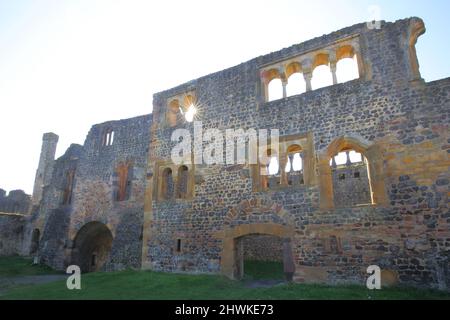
(92, 247)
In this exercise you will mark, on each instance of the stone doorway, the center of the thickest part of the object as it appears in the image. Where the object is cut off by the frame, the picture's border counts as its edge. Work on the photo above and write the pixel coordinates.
(233, 253)
(259, 256)
(92, 247)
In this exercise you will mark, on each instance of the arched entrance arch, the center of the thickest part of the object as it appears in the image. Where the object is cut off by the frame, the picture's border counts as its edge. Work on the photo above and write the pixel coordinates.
(92, 246)
(231, 259)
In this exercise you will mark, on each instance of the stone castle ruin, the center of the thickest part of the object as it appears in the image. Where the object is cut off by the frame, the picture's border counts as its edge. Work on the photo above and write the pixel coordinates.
(361, 176)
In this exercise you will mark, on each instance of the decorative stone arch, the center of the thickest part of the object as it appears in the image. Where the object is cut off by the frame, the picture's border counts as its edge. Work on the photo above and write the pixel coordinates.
(374, 155)
(293, 67)
(321, 58)
(271, 74)
(91, 246)
(345, 51)
(344, 142)
(93, 218)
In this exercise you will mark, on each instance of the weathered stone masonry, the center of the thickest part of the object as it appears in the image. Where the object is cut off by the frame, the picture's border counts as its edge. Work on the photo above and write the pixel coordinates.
(17, 201)
(14, 208)
(119, 201)
(390, 115)
(81, 217)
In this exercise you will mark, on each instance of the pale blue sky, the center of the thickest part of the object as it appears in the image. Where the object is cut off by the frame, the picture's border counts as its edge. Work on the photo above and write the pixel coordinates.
(66, 65)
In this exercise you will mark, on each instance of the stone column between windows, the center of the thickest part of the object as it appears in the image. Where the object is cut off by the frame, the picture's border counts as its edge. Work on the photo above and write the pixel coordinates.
(283, 162)
(308, 77)
(309, 167)
(284, 84)
(333, 65)
(325, 183)
(175, 184)
(333, 71)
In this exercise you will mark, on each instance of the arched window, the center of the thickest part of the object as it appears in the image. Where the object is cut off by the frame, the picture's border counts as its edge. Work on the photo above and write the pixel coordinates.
(108, 137)
(296, 84)
(294, 165)
(350, 176)
(347, 64)
(270, 171)
(321, 77)
(347, 69)
(189, 108)
(167, 184)
(273, 167)
(275, 88)
(182, 183)
(173, 111)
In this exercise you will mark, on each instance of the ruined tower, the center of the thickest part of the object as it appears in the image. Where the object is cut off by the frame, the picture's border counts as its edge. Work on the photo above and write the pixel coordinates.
(44, 170)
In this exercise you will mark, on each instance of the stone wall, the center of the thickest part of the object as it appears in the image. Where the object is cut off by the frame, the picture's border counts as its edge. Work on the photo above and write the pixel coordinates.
(337, 229)
(395, 119)
(94, 195)
(11, 231)
(351, 185)
(263, 248)
(17, 201)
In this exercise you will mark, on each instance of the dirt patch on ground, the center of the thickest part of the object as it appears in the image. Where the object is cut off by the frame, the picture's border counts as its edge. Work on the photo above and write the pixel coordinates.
(8, 283)
(263, 283)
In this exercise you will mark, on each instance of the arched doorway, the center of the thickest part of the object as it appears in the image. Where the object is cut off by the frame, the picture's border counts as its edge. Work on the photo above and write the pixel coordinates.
(92, 246)
(233, 255)
(259, 257)
(35, 236)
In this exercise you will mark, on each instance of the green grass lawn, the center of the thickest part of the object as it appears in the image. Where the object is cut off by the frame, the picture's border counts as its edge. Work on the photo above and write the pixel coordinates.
(155, 285)
(18, 266)
(259, 270)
